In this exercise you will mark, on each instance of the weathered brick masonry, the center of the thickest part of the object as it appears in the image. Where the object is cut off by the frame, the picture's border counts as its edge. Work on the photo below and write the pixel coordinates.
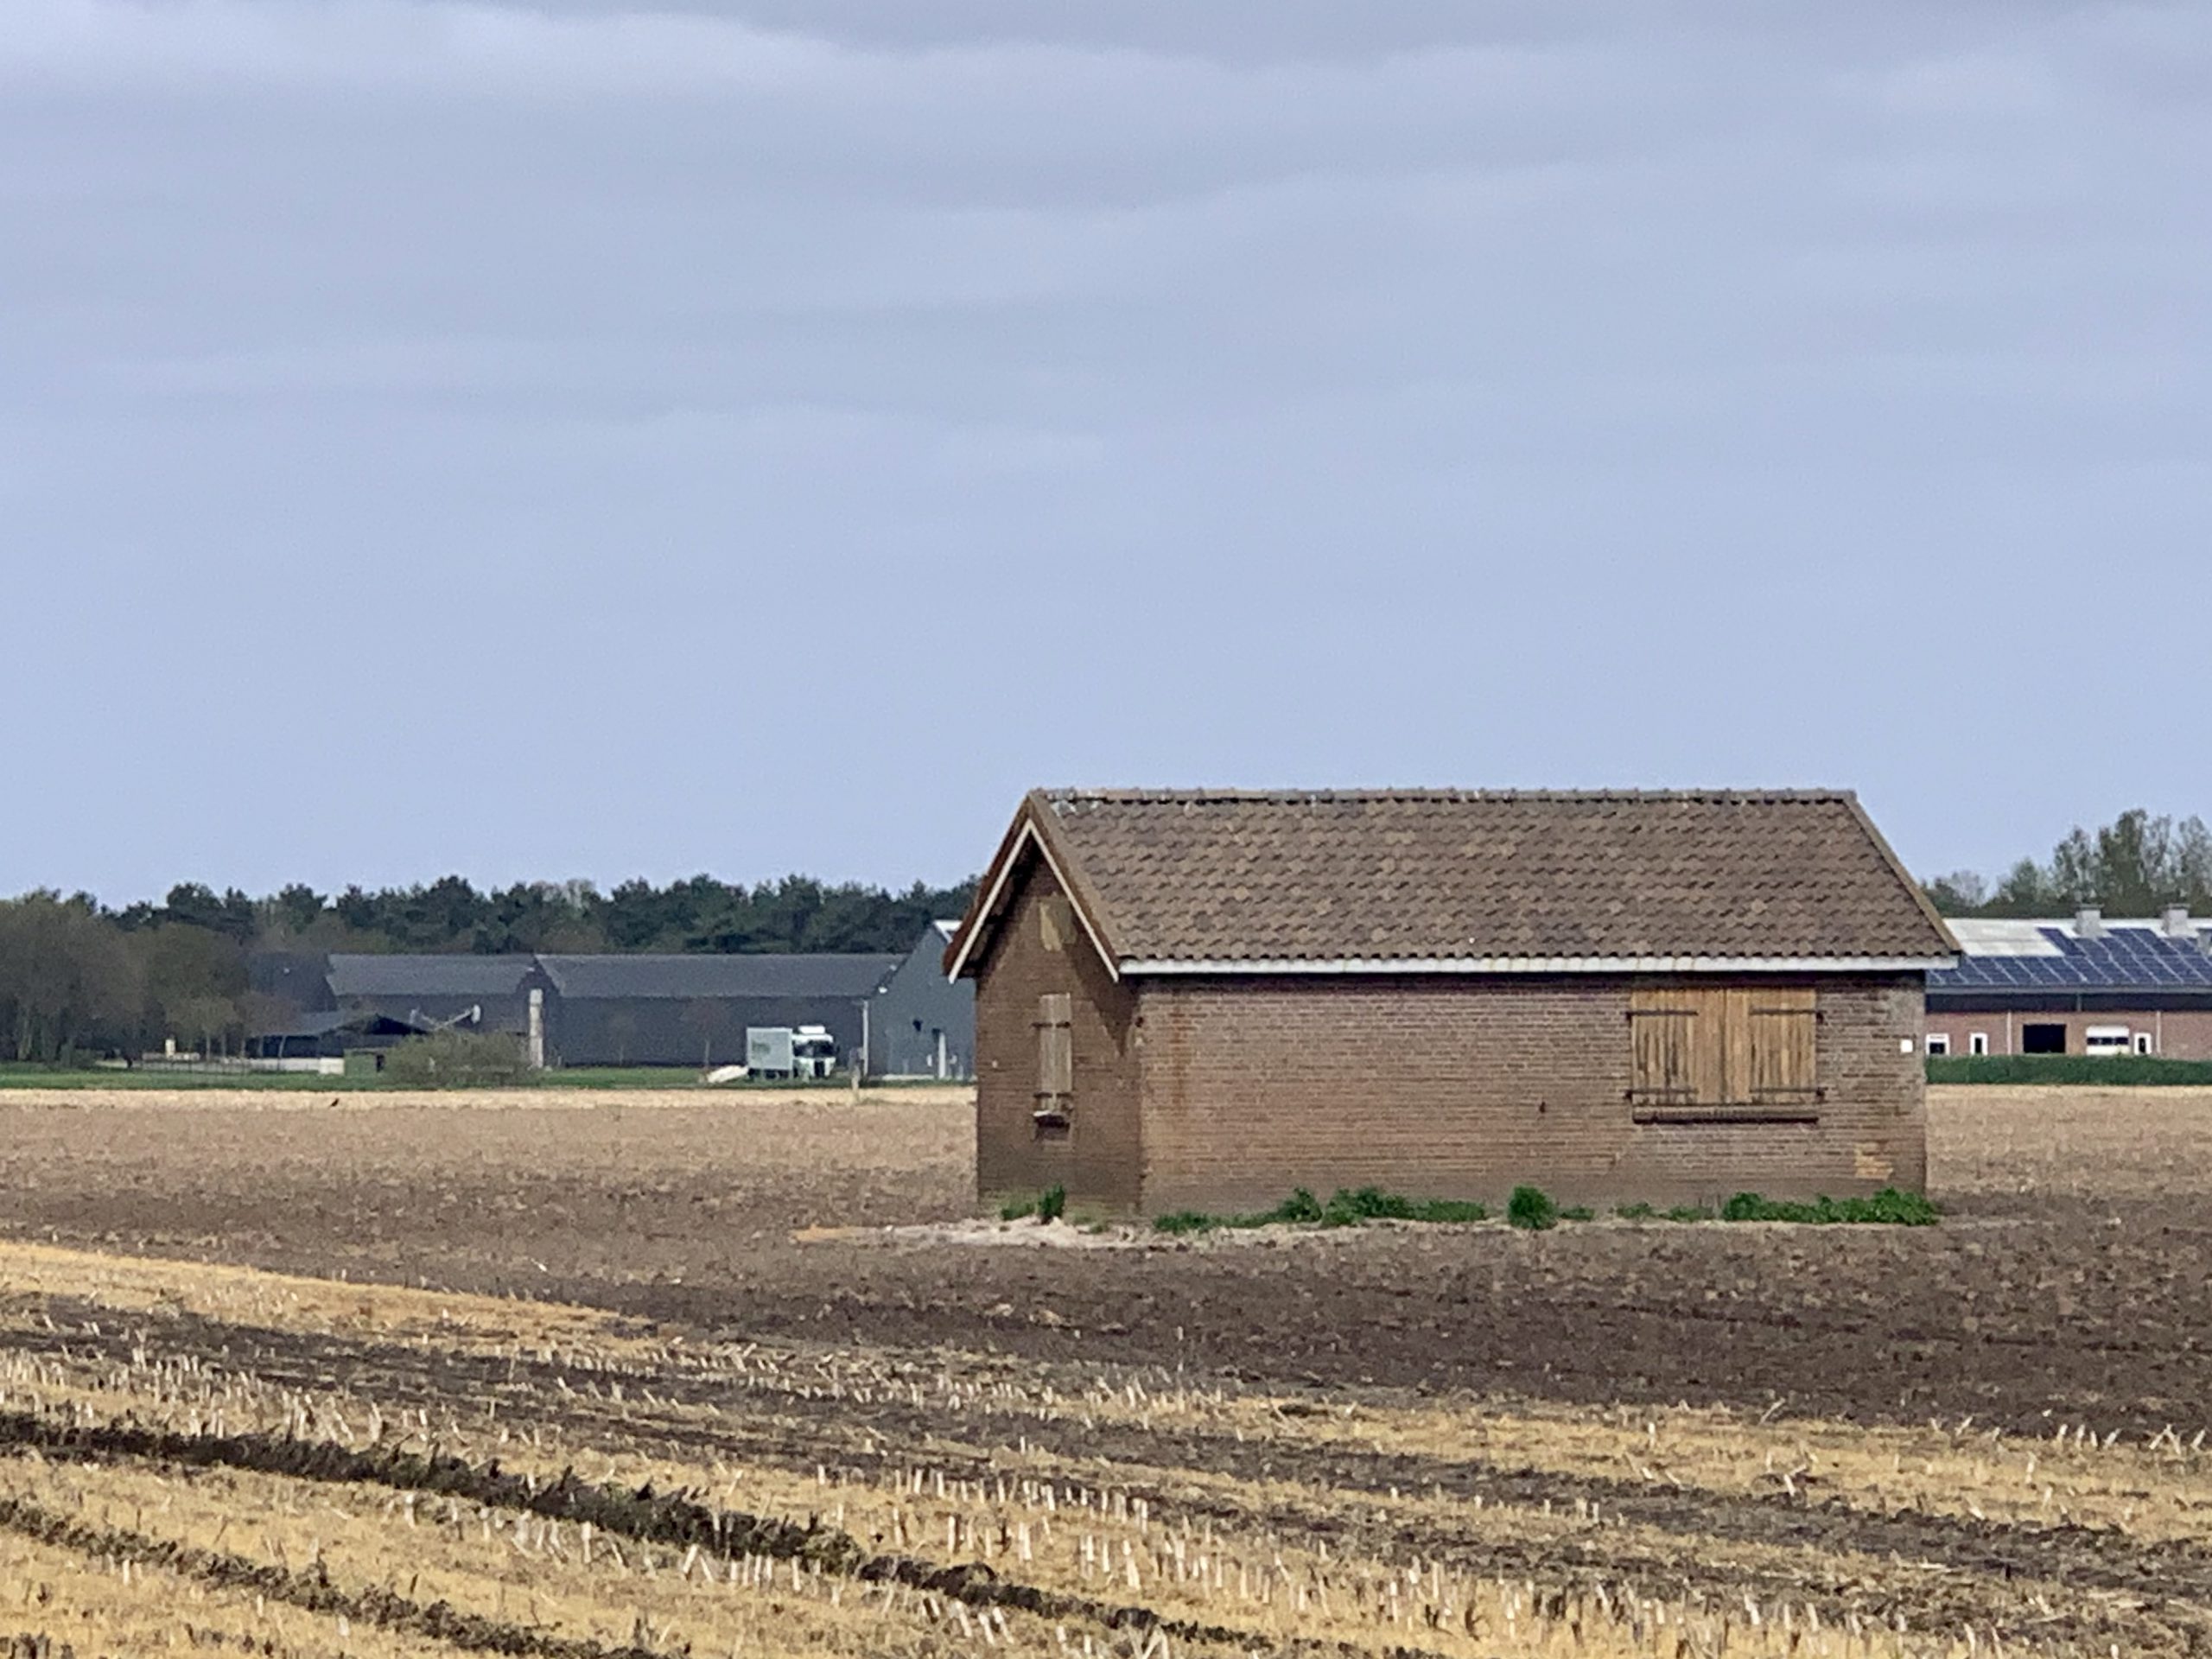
(1464, 1087)
(1433, 1087)
(1227, 1094)
(1042, 950)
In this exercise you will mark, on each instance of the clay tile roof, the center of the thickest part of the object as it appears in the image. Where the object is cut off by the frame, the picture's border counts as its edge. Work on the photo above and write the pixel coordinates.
(1402, 875)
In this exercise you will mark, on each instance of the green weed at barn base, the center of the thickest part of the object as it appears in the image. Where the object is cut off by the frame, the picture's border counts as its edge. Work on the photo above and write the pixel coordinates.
(1345, 1208)
(1531, 1209)
(1888, 1207)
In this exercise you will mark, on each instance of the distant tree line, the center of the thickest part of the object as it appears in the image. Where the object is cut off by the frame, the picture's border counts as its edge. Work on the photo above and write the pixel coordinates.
(78, 979)
(2134, 866)
(450, 914)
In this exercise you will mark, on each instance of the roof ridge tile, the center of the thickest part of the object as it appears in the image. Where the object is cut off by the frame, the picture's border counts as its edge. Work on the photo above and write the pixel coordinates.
(1126, 796)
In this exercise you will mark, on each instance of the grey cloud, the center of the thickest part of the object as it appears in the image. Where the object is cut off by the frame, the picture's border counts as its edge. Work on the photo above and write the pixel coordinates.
(1291, 390)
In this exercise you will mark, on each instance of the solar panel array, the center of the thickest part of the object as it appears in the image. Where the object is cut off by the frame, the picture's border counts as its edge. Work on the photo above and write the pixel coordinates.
(2126, 958)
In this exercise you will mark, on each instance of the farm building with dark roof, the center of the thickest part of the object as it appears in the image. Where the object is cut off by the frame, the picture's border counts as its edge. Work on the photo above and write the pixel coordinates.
(329, 1033)
(890, 1015)
(693, 1010)
(1205, 999)
(479, 993)
(922, 1023)
(2082, 984)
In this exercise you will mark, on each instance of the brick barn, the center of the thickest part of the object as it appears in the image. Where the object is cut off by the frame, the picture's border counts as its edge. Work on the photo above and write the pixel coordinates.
(1203, 1000)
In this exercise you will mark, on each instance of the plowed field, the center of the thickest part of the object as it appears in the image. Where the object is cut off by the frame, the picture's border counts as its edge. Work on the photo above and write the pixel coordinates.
(659, 1374)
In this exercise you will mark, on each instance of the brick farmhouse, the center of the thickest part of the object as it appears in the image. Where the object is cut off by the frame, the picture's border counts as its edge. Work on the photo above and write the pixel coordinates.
(1205, 999)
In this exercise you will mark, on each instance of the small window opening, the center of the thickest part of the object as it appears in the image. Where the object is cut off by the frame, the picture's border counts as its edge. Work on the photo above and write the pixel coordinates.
(2142, 1042)
(1939, 1042)
(1978, 1043)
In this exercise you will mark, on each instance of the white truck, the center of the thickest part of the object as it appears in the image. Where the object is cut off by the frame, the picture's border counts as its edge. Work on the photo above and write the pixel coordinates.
(790, 1052)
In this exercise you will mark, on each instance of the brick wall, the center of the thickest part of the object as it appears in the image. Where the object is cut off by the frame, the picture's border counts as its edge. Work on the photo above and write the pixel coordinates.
(1464, 1087)
(2178, 1034)
(1226, 1094)
(1040, 948)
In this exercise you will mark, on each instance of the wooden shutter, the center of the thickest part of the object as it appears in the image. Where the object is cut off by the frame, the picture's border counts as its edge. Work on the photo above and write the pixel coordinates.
(1782, 1029)
(1055, 1051)
(1664, 1036)
(1723, 1053)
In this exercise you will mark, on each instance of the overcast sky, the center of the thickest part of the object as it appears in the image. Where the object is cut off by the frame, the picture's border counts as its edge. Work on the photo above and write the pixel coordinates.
(586, 439)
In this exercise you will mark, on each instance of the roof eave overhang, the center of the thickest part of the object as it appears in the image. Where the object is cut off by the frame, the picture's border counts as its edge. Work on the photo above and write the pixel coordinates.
(1271, 966)
(1032, 829)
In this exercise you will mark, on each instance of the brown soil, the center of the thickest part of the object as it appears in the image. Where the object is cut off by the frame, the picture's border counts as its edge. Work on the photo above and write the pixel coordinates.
(2072, 1282)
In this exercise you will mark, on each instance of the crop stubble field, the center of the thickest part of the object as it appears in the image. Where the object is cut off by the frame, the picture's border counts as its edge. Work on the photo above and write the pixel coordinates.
(579, 1375)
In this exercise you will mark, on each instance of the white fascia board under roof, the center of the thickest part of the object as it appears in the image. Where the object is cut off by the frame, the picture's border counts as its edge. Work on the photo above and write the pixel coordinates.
(1541, 965)
(1029, 837)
